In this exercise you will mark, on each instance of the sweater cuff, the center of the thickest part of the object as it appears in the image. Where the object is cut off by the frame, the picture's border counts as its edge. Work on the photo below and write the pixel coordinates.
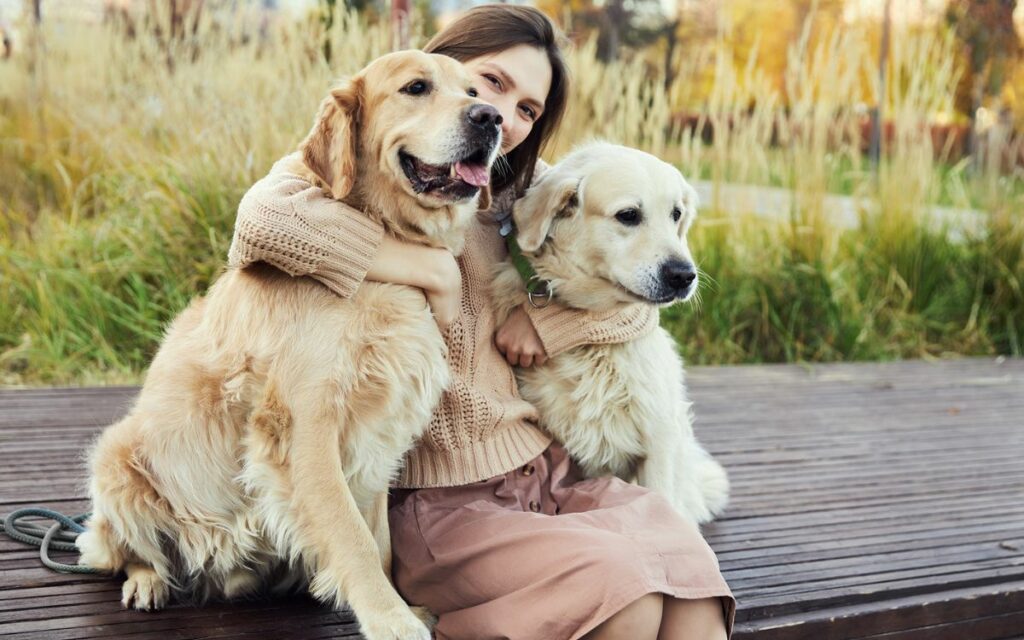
(562, 328)
(354, 245)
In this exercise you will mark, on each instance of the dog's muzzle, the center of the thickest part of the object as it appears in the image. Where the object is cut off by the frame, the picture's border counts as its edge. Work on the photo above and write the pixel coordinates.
(470, 169)
(675, 280)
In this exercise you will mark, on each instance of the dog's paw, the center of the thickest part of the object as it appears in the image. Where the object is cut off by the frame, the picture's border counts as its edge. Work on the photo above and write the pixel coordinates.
(97, 549)
(425, 616)
(143, 590)
(401, 624)
(713, 482)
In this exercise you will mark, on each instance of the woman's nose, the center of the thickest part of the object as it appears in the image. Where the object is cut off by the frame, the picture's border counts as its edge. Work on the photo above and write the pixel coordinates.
(507, 112)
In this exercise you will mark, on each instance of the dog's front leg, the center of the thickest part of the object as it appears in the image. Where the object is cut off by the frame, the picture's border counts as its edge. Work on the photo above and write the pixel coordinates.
(657, 472)
(700, 484)
(703, 481)
(377, 519)
(335, 538)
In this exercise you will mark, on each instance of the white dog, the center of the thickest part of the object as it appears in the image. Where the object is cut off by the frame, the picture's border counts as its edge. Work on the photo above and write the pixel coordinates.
(603, 229)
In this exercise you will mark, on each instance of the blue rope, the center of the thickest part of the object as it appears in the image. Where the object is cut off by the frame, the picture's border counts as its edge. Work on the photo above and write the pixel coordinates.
(60, 536)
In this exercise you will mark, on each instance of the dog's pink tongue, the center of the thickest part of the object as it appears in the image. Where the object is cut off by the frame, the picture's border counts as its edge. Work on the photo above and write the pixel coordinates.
(474, 174)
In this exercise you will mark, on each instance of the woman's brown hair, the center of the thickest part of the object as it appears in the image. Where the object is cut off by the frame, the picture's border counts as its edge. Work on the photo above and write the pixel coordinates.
(494, 28)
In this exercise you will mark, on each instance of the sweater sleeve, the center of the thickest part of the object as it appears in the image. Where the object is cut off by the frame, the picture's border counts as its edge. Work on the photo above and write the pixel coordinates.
(562, 328)
(291, 224)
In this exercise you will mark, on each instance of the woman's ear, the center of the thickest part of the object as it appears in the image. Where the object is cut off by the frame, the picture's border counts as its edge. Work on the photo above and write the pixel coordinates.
(552, 197)
(329, 151)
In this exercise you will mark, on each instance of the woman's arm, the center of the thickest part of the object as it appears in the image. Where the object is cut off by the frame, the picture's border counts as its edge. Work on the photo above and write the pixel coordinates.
(289, 223)
(561, 328)
(530, 336)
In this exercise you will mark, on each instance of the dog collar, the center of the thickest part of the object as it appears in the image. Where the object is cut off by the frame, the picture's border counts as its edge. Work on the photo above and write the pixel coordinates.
(538, 291)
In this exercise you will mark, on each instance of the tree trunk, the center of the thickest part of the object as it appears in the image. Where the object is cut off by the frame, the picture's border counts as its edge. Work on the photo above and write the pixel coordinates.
(400, 24)
(671, 40)
(612, 19)
(878, 113)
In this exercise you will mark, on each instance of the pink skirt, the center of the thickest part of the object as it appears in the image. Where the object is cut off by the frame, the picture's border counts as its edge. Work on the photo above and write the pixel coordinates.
(541, 553)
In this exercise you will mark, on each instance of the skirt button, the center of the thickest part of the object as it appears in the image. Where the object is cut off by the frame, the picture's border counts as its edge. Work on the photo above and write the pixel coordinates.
(534, 506)
(528, 470)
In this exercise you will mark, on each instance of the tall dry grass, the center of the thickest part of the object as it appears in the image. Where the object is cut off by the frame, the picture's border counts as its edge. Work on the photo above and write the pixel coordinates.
(903, 283)
(122, 161)
(121, 173)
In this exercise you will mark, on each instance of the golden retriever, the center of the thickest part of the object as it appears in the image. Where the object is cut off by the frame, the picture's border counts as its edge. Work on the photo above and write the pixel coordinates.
(606, 227)
(274, 415)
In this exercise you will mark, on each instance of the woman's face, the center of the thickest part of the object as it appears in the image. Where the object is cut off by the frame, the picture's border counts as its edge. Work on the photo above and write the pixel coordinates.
(516, 81)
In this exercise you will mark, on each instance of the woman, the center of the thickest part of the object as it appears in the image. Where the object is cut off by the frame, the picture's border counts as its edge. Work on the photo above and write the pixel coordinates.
(493, 527)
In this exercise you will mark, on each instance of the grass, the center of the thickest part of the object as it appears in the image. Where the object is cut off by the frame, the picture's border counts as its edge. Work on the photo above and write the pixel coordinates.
(122, 161)
(879, 296)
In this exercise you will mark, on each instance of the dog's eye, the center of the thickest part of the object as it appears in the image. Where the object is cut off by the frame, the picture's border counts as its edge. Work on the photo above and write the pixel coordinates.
(472, 92)
(676, 214)
(628, 217)
(416, 88)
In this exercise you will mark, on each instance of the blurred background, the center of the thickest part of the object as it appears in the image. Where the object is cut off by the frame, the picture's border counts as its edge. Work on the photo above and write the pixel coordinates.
(860, 162)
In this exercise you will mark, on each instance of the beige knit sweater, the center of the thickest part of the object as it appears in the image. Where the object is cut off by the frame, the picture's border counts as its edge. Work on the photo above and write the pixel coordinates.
(482, 428)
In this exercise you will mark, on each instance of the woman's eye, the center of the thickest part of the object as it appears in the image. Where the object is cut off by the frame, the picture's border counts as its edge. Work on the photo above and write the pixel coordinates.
(530, 113)
(628, 217)
(493, 80)
(416, 88)
(472, 92)
(676, 214)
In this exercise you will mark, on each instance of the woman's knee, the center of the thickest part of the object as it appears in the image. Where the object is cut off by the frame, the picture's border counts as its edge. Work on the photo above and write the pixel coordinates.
(692, 619)
(639, 620)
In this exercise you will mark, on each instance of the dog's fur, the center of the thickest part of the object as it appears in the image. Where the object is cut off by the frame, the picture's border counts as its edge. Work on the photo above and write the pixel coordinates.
(618, 408)
(275, 414)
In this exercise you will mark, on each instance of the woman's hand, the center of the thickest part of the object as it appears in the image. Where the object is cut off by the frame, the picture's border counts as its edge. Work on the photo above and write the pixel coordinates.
(518, 341)
(435, 271)
(444, 295)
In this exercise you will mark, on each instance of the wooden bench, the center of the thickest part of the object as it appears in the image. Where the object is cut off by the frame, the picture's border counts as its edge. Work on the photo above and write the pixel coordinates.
(881, 501)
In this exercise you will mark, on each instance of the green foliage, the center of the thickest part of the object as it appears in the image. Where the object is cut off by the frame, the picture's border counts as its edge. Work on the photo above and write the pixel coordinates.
(888, 291)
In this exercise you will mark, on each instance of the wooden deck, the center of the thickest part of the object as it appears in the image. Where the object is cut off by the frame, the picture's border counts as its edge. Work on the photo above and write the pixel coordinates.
(881, 501)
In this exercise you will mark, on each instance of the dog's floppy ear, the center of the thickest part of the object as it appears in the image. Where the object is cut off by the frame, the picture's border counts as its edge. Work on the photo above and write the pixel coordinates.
(690, 202)
(552, 197)
(329, 150)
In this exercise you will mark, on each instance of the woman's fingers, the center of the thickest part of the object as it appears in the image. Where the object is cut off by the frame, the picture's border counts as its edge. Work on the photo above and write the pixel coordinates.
(518, 341)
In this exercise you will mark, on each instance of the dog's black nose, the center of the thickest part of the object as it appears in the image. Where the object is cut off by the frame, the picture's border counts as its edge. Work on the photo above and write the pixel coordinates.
(484, 115)
(678, 275)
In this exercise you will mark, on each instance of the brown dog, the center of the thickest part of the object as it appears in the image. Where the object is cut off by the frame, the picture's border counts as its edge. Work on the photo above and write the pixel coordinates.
(275, 413)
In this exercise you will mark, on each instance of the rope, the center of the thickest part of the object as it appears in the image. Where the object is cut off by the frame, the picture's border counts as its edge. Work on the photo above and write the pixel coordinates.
(59, 536)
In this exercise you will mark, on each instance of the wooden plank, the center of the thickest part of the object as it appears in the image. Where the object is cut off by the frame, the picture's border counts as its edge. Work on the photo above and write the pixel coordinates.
(897, 615)
(786, 557)
(864, 564)
(794, 600)
(765, 526)
(267, 619)
(981, 628)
